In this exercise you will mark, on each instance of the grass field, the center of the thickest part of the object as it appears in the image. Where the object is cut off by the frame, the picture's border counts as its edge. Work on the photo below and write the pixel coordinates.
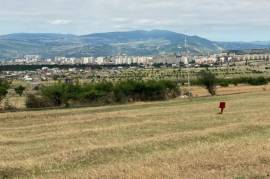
(181, 138)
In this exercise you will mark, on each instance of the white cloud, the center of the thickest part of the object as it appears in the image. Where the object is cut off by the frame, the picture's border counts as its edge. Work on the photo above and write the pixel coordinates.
(120, 19)
(60, 22)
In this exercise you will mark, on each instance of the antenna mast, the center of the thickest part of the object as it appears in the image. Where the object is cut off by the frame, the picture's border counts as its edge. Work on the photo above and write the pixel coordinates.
(186, 43)
(187, 56)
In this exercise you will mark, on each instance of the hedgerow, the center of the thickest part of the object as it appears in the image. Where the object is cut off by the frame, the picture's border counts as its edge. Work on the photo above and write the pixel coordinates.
(103, 93)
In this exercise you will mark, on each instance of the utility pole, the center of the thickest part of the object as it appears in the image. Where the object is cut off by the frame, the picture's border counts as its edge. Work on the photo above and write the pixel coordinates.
(180, 68)
(185, 42)
(187, 56)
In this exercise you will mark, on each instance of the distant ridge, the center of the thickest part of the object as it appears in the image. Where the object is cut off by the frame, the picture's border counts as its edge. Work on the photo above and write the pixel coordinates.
(137, 43)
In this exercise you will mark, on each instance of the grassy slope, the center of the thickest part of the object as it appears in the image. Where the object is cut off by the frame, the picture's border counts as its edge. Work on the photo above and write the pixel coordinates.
(174, 139)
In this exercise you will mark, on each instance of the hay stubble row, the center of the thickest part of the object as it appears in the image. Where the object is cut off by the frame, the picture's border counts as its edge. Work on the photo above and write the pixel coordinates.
(173, 139)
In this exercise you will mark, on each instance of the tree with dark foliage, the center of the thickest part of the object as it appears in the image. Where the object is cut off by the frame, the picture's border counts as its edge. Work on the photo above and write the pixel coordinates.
(209, 80)
(19, 90)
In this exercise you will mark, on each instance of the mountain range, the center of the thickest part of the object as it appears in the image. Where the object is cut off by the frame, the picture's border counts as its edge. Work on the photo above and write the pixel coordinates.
(135, 43)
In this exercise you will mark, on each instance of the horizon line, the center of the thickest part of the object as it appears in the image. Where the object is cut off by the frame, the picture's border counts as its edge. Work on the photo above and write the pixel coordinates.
(104, 32)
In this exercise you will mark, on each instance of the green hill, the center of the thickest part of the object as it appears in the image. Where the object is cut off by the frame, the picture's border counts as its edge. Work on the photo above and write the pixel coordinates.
(136, 43)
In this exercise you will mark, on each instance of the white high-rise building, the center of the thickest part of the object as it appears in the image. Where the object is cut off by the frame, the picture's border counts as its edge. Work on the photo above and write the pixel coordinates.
(100, 60)
(87, 60)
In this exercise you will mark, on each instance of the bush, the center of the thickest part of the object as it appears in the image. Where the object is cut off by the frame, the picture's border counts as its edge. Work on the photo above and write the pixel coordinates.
(258, 81)
(33, 101)
(4, 86)
(145, 90)
(235, 82)
(251, 81)
(224, 83)
(242, 80)
(155, 90)
(55, 93)
(97, 93)
(36, 88)
(209, 80)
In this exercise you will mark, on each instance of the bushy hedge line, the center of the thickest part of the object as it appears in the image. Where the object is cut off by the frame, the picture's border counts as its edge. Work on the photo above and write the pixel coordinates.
(241, 80)
(102, 93)
(36, 101)
(245, 80)
(4, 86)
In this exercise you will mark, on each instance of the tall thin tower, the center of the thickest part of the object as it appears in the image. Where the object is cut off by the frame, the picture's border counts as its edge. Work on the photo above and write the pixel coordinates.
(187, 56)
(186, 43)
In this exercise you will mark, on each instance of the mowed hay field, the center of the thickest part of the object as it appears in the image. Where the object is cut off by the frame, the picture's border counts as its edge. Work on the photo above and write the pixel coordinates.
(181, 138)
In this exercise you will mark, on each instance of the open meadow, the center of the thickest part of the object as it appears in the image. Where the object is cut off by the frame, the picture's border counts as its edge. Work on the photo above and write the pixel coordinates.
(181, 138)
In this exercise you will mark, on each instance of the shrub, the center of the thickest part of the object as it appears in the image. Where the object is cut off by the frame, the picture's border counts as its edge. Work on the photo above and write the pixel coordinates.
(125, 91)
(235, 82)
(258, 81)
(251, 81)
(34, 101)
(154, 90)
(104, 86)
(4, 86)
(36, 88)
(69, 92)
(97, 93)
(55, 93)
(145, 90)
(224, 83)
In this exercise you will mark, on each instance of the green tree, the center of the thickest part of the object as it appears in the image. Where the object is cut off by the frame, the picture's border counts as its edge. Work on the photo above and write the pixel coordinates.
(19, 90)
(209, 80)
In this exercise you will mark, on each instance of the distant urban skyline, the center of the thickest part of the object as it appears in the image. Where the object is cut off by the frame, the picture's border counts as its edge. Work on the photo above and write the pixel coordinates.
(218, 20)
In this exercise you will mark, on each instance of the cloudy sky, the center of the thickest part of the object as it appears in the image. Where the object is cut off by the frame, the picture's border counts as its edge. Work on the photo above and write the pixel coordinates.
(223, 20)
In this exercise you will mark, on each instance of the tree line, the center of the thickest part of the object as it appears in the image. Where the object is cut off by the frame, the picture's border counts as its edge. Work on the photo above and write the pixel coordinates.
(104, 93)
(210, 81)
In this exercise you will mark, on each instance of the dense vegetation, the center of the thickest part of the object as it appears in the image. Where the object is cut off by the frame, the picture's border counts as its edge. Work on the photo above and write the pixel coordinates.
(245, 80)
(102, 93)
(62, 94)
(208, 77)
(4, 86)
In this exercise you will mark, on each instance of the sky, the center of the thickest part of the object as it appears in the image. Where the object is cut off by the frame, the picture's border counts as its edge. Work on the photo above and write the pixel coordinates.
(219, 20)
